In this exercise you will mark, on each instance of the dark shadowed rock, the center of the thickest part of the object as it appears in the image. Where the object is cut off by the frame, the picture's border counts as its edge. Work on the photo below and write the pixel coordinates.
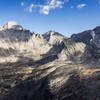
(49, 66)
(84, 37)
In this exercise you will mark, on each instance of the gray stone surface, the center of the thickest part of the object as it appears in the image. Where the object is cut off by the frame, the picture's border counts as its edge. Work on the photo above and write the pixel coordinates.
(49, 66)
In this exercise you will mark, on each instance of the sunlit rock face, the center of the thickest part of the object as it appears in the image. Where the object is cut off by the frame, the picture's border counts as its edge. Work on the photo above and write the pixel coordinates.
(48, 66)
(53, 37)
(91, 38)
(73, 51)
(11, 25)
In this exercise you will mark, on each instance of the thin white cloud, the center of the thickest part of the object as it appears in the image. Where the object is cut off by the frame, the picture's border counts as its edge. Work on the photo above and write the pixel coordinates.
(31, 7)
(22, 4)
(52, 5)
(71, 6)
(81, 5)
(46, 8)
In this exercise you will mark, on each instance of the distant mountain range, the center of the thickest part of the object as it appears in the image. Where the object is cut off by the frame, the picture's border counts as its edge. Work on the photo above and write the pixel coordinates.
(48, 66)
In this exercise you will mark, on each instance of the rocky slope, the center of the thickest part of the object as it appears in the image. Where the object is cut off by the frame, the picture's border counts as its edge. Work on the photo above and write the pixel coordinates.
(49, 66)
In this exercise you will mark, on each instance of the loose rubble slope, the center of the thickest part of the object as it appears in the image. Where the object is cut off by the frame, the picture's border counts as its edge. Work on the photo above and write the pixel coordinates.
(49, 66)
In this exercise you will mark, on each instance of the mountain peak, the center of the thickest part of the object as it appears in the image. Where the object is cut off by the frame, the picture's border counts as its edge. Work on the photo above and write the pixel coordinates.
(11, 25)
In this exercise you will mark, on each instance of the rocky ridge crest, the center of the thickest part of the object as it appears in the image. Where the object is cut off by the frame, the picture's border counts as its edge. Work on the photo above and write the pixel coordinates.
(49, 66)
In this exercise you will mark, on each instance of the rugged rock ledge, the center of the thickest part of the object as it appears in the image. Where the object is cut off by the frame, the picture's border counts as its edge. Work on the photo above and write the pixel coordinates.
(49, 66)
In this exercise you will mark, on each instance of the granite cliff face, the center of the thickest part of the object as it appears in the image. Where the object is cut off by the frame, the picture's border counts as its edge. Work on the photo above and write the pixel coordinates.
(49, 66)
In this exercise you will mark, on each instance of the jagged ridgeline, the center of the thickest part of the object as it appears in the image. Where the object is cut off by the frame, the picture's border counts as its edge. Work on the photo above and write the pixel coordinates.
(49, 66)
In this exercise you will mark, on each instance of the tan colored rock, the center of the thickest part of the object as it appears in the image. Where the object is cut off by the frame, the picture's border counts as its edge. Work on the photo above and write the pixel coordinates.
(25, 71)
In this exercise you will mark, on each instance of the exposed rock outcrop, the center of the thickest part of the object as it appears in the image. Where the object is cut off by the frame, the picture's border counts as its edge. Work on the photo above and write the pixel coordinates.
(49, 66)
(86, 36)
(11, 25)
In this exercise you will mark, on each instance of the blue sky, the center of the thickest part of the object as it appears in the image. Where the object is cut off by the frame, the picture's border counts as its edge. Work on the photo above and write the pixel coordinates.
(40, 16)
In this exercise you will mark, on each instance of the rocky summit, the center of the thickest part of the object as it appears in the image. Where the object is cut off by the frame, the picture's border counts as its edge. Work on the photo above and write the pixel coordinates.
(49, 66)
